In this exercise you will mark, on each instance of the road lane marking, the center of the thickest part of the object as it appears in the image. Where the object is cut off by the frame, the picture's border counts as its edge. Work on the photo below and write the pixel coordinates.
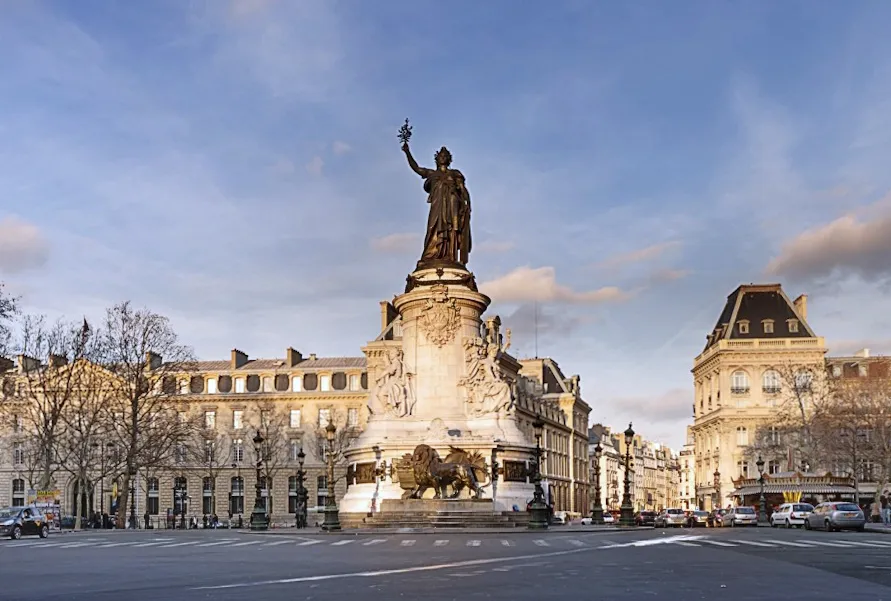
(216, 543)
(247, 543)
(75, 545)
(685, 544)
(789, 543)
(649, 542)
(374, 541)
(440, 543)
(824, 543)
(277, 543)
(309, 542)
(753, 543)
(110, 545)
(341, 543)
(507, 543)
(575, 542)
(541, 543)
(474, 543)
(717, 543)
(860, 543)
(408, 543)
(154, 544)
(188, 542)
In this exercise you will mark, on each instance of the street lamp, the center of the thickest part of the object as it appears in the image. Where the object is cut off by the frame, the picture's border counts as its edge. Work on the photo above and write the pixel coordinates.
(300, 509)
(597, 513)
(626, 515)
(332, 518)
(717, 476)
(762, 510)
(539, 510)
(259, 519)
(133, 523)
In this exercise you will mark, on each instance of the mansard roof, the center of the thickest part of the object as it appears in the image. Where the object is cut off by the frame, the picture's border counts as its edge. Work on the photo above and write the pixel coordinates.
(756, 303)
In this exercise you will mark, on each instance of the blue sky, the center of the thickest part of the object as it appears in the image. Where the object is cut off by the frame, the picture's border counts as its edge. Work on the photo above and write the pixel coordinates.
(234, 165)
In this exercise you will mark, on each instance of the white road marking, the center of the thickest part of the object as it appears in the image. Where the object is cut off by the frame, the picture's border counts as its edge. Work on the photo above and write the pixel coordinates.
(374, 541)
(217, 543)
(507, 543)
(440, 543)
(110, 545)
(860, 543)
(426, 568)
(188, 542)
(341, 543)
(753, 543)
(247, 543)
(541, 543)
(277, 543)
(789, 543)
(649, 542)
(408, 543)
(474, 543)
(75, 545)
(824, 543)
(154, 544)
(575, 542)
(685, 544)
(309, 542)
(717, 543)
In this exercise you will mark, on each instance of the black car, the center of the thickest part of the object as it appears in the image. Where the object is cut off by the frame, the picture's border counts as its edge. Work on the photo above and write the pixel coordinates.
(645, 518)
(16, 522)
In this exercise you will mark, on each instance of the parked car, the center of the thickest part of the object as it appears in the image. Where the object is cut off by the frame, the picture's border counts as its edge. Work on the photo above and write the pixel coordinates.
(716, 518)
(670, 518)
(836, 516)
(645, 518)
(559, 517)
(741, 516)
(16, 522)
(790, 514)
(608, 518)
(697, 518)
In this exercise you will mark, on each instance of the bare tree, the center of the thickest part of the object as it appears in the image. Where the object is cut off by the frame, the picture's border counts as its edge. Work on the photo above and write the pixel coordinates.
(8, 311)
(210, 449)
(275, 452)
(142, 351)
(344, 438)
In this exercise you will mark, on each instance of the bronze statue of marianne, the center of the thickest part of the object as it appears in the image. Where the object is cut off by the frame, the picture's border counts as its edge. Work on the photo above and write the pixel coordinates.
(448, 225)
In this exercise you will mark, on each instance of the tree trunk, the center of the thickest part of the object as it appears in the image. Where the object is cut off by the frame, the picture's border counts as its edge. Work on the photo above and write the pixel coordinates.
(78, 503)
(124, 495)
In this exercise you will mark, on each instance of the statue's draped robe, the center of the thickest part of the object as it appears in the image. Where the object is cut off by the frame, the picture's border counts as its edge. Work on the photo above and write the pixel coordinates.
(448, 225)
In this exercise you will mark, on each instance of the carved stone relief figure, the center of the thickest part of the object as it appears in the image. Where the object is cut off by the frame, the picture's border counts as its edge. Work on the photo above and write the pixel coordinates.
(440, 317)
(488, 391)
(393, 392)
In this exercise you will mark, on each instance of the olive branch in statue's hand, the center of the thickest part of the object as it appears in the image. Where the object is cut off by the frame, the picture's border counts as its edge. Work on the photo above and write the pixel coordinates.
(405, 134)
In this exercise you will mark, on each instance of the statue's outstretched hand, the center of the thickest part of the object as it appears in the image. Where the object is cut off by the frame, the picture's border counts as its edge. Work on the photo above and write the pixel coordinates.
(405, 147)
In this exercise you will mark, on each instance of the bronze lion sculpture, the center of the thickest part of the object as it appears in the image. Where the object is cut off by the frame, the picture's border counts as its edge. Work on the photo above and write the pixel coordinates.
(447, 478)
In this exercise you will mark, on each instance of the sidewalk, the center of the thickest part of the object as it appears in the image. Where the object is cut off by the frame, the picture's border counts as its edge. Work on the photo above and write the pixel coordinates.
(880, 528)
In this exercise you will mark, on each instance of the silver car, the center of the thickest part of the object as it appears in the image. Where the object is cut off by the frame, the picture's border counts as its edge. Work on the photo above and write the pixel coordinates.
(836, 515)
(670, 517)
(741, 516)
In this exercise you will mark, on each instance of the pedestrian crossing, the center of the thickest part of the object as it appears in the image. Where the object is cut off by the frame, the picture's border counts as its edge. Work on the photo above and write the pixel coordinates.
(551, 543)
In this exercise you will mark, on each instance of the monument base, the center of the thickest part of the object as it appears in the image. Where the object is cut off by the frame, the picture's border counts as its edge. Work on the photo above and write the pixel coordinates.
(437, 513)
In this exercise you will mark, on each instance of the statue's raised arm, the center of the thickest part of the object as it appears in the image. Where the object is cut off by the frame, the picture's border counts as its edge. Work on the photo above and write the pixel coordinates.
(422, 171)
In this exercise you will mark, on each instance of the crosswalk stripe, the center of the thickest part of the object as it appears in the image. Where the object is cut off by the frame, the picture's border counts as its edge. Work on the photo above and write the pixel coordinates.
(541, 543)
(575, 542)
(823, 543)
(685, 544)
(184, 544)
(474, 543)
(788, 543)
(309, 542)
(341, 543)
(752, 542)
(717, 543)
(153, 544)
(507, 543)
(277, 543)
(408, 543)
(247, 543)
(374, 541)
(881, 543)
(75, 545)
(440, 543)
(216, 543)
(860, 543)
(110, 545)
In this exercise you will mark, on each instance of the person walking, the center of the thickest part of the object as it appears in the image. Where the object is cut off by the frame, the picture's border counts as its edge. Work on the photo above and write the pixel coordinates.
(886, 509)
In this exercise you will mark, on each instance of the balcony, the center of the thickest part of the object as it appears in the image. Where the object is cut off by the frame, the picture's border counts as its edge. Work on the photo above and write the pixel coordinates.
(739, 390)
(772, 389)
(762, 345)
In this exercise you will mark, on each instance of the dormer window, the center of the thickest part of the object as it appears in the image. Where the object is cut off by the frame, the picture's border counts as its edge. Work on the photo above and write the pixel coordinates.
(793, 325)
(744, 327)
(862, 370)
(767, 326)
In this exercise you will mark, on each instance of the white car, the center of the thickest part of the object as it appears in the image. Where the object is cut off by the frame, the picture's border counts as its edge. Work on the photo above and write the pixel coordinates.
(791, 514)
(607, 519)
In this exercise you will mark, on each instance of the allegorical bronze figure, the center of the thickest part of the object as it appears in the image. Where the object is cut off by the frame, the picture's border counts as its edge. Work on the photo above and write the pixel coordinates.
(448, 225)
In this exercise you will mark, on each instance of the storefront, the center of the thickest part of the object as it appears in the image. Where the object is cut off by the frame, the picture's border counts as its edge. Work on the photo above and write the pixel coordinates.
(793, 487)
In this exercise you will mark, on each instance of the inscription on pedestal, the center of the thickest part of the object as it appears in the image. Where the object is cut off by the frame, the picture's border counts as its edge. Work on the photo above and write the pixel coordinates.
(515, 471)
(365, 473)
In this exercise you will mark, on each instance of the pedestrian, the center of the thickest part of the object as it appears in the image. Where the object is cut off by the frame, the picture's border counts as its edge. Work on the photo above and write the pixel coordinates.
(886, 509)
(204, 518)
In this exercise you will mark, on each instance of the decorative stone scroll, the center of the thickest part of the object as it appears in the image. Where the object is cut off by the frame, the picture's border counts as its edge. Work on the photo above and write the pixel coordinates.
(440, 317)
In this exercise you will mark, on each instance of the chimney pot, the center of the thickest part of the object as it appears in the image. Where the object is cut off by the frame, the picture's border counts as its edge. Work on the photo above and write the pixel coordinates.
(153, 360)
(801, 306)
(312, 357)
(292, 357)
(239, 358)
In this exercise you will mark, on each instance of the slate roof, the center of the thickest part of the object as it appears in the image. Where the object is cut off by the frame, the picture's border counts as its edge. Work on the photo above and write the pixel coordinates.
(755, 303)
(275, 364)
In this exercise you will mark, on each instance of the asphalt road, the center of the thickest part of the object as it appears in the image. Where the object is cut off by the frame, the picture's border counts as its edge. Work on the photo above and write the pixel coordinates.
(726, 564)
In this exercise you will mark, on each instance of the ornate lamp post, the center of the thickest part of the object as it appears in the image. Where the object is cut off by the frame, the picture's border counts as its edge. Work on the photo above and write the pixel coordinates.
(332, 517)
(762, 509)
(133, 523)
(259, 519)
(539, 511)
(626, 515)
(597, 512)
(300, 513)
(717, 476)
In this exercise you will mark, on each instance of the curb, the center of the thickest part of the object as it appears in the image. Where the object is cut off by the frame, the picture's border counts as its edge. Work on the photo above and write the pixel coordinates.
(438, 531)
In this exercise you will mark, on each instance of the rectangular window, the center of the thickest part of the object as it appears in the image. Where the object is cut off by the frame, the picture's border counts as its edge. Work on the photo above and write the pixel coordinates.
(207, 505)
(210, 420)
(768, 327)
(793, 325)
(18, 454)
(296, 384)
(264, 418)
(238, 419)
(322, 494)
(209, 451)
(18, 492)
(211, 385)
(325, 383)
(294, 449)
(324, 417)
(154, 506)
(773, 466)
(862, 371)
(180, 453)
(19, 424)
(237, 450)
(352, 417)
(295, 418)
(239, 384)
(267, 384)
(354, 382)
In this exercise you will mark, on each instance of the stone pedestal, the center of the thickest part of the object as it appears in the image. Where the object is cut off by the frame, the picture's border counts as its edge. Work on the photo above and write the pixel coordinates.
(419, 393)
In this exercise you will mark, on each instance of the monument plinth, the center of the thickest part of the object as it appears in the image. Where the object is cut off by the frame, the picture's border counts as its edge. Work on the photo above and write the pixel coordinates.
(440, 378)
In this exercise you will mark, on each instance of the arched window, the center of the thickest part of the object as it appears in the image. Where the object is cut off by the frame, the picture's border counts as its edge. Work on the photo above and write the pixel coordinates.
(770, 381)
(803, 380)
(18, 492)
(742, 436)
(740, 382)
(236, 495)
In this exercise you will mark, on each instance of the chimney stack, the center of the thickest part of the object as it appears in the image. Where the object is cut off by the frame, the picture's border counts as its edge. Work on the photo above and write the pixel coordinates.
(57, 360)
(153, 360)
(292, 357)
(27, 364)
(312, 357)
(801, 306)
(388, 314)
(862, 353)
(238, 358)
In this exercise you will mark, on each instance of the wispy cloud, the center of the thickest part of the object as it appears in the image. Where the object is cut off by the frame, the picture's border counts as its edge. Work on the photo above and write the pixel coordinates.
(640, 255)
(527, 284)
(22, 246)
(397, 243)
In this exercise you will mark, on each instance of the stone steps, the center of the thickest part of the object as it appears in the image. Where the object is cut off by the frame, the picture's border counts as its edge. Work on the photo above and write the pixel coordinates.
(440, 519)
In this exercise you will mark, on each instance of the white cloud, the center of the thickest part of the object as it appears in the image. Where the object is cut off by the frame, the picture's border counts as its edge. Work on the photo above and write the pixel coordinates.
(876, 346)
(661, 276)
(315, 166)
(848, 245)
(397, 243)
(340, 148)
(527, 284)
(22, 246)
(639, 255)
